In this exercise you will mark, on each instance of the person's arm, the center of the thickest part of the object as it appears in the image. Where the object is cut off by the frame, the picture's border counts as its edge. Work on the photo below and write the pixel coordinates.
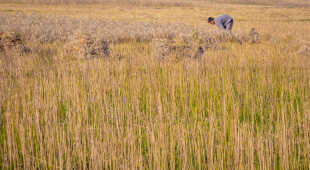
(220, 25)
(219, 22)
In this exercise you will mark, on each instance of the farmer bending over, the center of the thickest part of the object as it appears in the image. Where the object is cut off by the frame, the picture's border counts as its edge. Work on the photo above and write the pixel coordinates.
(223, 22)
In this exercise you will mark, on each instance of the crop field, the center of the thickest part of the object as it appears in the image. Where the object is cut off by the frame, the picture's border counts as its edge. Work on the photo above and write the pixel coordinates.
(104, 84)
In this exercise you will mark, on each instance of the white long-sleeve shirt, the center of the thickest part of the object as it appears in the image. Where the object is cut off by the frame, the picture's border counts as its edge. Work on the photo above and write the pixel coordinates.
(222, 21)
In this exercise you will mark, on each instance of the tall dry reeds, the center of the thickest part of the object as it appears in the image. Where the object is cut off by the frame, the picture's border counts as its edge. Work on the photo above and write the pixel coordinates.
(239, 106)
(139, 113)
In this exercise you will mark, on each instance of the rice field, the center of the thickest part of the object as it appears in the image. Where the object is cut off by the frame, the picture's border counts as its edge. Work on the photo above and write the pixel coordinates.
(238, 106)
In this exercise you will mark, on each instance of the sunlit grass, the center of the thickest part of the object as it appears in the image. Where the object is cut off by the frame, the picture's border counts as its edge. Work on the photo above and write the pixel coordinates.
(134, 112)
(237, 107)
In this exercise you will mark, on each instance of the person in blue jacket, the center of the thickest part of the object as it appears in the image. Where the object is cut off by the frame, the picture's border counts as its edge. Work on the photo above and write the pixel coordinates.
(223, 22)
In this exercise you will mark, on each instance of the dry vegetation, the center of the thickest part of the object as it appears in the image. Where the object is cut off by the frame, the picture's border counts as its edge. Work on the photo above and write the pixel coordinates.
(154, 86)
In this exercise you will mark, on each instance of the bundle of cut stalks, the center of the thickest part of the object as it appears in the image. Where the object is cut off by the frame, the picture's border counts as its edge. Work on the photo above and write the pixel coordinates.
(83, 46)
(12, 42)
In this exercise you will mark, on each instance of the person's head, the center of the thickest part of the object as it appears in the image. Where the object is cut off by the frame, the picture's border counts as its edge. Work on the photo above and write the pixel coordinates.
(211, 20)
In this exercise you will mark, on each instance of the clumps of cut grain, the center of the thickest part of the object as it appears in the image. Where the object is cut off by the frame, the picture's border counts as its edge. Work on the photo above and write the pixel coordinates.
(224, 36)
(12, 42)
(215, 37)
(304, 50)
(161, 47)
(190, 46)
(196, 45)
(303, 53)
(84, 46)
(253, 36)
(180, 47)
